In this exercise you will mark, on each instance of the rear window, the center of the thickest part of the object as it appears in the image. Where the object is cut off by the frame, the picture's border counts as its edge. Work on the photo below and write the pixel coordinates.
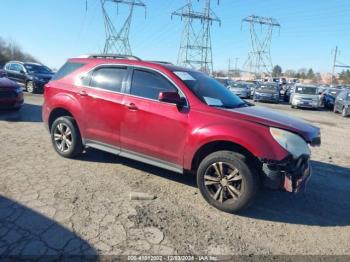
(67, 69)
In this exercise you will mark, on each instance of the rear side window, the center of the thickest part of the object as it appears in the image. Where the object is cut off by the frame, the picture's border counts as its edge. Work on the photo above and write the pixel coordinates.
(149, 85)
(109, 78)
(67, 69)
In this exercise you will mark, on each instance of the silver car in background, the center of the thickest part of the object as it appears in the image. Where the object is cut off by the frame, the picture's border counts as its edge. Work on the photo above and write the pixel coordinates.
(305, 96)
(240, 89)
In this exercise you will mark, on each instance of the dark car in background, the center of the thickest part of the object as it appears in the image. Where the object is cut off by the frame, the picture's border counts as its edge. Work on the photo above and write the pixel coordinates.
(329, 96)
(32, 76)
(267, 92)
(342, 103)
(11, 94)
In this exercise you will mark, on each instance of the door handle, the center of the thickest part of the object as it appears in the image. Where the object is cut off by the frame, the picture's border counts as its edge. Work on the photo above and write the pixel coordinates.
(82, 93)
(131, 106)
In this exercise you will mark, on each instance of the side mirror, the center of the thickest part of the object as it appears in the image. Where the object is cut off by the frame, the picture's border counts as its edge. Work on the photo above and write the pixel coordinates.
(22, 72)
(171, 97)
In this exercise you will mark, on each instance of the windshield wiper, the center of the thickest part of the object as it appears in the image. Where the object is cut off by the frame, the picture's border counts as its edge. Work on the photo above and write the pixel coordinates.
(229, 107)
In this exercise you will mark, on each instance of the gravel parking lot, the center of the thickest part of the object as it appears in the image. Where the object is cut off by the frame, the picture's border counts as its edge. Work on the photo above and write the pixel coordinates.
(51, 205)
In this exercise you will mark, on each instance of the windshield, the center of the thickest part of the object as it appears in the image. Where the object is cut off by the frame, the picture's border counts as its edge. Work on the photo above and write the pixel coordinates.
(209, 91)
(268, 87)
(334, 92)
(307, 90)
(37, 69)
(237, 85)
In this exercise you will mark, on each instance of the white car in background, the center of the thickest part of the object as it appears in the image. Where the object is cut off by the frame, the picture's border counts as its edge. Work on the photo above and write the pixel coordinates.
(305, 96)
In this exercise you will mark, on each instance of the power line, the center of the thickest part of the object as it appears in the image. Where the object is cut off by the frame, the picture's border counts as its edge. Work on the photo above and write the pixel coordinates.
(259, 58)
(196, 46)
(117, 42)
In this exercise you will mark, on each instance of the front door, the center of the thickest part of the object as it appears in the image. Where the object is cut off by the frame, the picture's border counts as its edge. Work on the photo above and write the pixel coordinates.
(149, 127)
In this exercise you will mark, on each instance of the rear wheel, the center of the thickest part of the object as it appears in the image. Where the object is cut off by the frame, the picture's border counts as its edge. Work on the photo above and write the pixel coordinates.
(30, 87)
(226, 181)
(66, 137)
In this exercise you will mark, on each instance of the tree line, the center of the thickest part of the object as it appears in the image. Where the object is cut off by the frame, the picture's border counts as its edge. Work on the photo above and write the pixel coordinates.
(303, 73)
(10, 50)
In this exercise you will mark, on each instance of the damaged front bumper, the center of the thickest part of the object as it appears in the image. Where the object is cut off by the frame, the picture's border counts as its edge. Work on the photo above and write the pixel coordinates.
(290, 174)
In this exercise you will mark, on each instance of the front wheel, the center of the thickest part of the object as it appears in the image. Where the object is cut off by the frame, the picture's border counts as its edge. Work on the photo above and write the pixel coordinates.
(30, 87)
(226, 181)
(66, 137)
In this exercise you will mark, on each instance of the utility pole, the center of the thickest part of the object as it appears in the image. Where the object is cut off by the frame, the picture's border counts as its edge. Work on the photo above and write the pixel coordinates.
(236, 67)
(259, 58)
(117, 42)
(334, 64)
(229, 68)
(196, 47)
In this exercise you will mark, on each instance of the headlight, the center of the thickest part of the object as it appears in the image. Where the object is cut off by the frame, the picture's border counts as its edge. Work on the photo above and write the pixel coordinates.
(291, 142)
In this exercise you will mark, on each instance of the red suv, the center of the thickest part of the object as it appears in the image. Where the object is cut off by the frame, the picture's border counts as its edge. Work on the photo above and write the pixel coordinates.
(177, 119)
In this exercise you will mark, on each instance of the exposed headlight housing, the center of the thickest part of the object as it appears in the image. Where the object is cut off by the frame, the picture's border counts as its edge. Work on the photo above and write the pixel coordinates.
(291, 142)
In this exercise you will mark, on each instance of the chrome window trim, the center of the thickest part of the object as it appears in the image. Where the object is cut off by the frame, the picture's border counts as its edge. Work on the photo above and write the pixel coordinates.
(78, 77)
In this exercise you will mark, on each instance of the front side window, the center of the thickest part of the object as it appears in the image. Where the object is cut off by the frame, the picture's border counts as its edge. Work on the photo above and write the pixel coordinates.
(109, 78)
(208, 90)
(15, 67)
(149, 84)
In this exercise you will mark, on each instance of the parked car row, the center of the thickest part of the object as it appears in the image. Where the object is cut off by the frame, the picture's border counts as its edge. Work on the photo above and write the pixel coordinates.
(31, 76)
(297, 95)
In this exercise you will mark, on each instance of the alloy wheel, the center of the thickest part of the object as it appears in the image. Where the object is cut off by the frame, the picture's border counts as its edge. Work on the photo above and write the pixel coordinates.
(30, 87)
(63, 137)
(223, 181)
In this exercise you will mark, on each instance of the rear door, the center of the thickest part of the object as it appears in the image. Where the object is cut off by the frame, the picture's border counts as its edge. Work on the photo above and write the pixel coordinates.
(149, 127)
(102, 105)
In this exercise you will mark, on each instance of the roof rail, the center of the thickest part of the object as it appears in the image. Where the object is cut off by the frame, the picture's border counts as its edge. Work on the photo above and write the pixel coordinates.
(161, 62)
(112, 56)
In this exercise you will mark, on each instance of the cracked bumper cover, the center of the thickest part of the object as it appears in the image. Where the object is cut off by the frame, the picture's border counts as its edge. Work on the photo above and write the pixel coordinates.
(292, 175)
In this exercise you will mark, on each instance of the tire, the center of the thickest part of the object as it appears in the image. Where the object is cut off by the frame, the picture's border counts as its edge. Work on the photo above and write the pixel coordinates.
(69, 145)
(292, 106)
(16, 109)
(30, 87)
(245, 181)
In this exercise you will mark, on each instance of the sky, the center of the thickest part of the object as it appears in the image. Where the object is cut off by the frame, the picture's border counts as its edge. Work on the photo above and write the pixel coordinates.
(55, 30)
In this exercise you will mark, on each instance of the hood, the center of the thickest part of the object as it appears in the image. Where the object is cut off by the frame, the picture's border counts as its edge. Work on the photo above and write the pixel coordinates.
(42, 75)
(7, 84)
(271, 118)
(235, 89)
(261, 91)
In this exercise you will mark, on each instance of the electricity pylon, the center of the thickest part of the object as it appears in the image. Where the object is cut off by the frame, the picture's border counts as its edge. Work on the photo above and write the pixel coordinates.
(196, 47)
(259, 58)
(117, 42)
